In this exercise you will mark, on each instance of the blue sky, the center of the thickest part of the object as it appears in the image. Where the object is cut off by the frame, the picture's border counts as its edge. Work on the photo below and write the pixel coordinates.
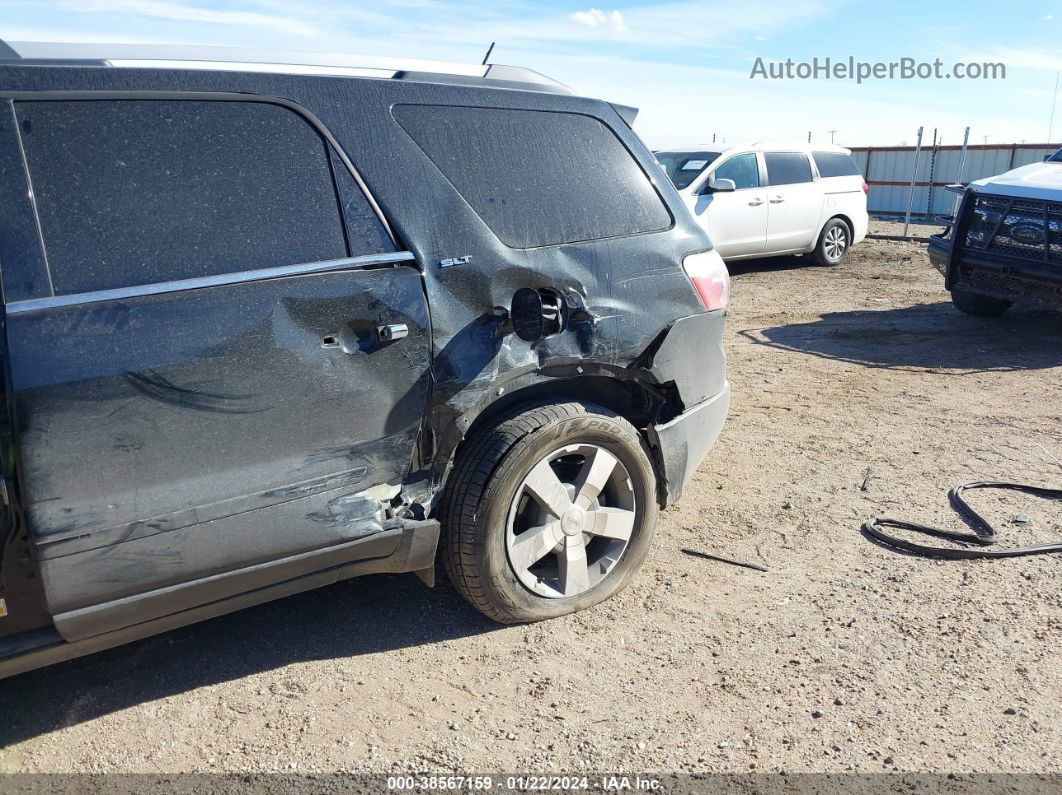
(685, 64)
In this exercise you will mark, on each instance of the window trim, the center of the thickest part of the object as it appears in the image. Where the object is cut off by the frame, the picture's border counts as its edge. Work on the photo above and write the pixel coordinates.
(199, 282)
(200, 96)
(649, 175)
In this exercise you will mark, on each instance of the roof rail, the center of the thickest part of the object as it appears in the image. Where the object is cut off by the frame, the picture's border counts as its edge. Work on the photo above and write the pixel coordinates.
(164, 56)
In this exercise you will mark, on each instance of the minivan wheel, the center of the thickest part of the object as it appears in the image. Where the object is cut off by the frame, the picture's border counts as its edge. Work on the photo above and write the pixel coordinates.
(980, 305)
(550, 511)
(833, 243)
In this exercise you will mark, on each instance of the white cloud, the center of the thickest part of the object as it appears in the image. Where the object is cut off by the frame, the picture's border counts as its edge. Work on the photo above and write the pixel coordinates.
(596, 18)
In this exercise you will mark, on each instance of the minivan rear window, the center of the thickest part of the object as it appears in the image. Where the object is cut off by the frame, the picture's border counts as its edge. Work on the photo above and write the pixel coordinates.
(538, 178)
(787, 168)
(835, 164)
(135, 192)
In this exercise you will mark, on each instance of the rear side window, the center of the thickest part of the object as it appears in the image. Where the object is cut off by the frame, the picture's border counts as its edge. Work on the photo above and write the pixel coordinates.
(133, 192)
(538, 178)
(787, 168)
(743, 169)
(835, 164)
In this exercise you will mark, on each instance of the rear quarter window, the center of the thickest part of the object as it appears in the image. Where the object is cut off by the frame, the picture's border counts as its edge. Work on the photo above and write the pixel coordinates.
(835, 164)
(538, 178)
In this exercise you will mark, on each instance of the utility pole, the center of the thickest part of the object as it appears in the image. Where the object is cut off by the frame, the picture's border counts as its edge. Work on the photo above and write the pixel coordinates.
(831, 135)
(713, 138)
(809, 136)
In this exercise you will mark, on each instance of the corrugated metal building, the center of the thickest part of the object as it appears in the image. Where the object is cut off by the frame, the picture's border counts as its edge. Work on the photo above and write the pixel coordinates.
(887, 169)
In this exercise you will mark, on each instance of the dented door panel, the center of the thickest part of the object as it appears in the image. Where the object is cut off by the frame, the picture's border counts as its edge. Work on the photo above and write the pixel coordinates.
(174, 436)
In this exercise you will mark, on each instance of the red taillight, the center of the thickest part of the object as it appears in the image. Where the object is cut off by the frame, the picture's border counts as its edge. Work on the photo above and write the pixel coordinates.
(710, 279)
(866, 189)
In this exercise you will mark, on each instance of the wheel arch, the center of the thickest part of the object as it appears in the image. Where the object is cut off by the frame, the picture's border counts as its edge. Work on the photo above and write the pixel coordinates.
(847, 222)
(634, 399)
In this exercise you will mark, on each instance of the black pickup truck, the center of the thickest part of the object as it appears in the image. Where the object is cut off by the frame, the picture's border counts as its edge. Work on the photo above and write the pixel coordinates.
(1005, 242)
(269, 326)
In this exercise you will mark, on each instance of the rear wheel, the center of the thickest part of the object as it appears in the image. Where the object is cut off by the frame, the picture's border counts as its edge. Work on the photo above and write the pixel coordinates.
(833, 243)
(549, 512)
(980, 305)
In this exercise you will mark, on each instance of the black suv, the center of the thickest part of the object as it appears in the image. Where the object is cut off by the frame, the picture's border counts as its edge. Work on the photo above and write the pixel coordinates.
(1004, 244)
(272, 326)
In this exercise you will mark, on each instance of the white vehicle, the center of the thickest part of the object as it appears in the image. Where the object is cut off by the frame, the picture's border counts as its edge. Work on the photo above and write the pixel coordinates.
(766, 199)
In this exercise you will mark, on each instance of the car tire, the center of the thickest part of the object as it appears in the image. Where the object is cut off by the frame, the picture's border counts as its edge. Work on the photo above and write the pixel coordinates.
(979, 305)
(834, 242)
(496, 520)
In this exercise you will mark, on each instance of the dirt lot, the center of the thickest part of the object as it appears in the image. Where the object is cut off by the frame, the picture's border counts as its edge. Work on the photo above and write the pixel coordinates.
(842, 657)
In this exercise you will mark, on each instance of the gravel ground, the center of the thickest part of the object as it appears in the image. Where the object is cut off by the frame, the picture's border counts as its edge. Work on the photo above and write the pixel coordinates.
(842, 657)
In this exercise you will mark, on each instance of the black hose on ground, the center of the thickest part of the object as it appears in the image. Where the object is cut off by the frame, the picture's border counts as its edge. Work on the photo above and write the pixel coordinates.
(984, 534)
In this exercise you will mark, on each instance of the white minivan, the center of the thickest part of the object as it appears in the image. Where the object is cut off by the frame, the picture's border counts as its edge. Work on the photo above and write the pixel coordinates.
(766, 199)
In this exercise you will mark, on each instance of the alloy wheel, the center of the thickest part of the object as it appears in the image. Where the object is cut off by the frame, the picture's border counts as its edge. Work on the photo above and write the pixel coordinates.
(570, 521)
(835, 243)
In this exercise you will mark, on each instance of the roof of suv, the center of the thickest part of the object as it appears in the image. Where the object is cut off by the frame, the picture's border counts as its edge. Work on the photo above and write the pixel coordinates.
(163, 56)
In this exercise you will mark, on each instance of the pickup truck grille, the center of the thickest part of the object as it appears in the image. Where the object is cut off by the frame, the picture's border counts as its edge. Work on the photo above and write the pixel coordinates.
(1022, 228)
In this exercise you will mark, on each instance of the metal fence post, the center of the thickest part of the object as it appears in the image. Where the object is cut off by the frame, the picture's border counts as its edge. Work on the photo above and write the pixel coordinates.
(962, 170)
(914, 176)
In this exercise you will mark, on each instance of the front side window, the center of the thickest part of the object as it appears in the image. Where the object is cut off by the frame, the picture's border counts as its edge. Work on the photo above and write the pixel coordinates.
(134, 192)
(684, 167)
(538, 178)
(743, 169)
(787, 168)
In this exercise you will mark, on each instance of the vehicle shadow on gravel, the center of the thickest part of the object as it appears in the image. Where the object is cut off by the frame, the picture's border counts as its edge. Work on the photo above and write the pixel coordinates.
(361, 616)
(925, 336)
(790, 262)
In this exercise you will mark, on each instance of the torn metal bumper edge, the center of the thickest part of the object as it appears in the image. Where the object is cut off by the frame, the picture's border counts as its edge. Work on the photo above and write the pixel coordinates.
(684, 441)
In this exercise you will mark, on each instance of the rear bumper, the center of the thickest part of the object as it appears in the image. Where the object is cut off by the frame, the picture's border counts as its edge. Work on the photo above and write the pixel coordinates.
(684, 442)
(690, 358)
(860, 224)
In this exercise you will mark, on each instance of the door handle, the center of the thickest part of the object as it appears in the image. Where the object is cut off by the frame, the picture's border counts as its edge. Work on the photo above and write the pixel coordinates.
(365, 338)
(777, 200)
(393, 331)
(755, 202)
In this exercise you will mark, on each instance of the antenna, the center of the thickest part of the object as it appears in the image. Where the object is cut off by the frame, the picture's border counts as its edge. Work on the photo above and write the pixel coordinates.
(1054, 101)
(490, 49)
